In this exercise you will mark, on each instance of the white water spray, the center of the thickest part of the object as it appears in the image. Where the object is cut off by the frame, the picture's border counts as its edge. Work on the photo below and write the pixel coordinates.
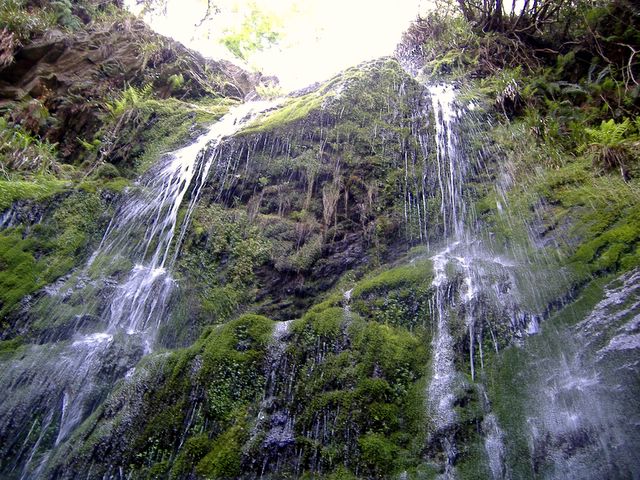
(62, 381)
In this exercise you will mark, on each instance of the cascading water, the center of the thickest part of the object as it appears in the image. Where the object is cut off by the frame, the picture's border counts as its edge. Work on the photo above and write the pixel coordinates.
(450, 168)
(582, 417)
(575, 425)
(53, 387)
(462, 270)
(571, 413)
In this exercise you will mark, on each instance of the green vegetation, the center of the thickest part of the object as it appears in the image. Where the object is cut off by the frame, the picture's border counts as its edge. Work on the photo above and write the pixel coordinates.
(132, 146)
(594, 212)
(295, 109)
(613, 148)
(52, 248)
(213, 383)
(23, 151)
(567, 141)
(258, 31)
(38, 190)
(512, 375)
(25, 23)
(330, 192)
(258, 245)
(415, 273)
(397, 296)
(363, 378)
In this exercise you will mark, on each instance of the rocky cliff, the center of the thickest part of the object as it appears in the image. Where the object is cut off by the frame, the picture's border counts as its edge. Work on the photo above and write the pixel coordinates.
(406, 271)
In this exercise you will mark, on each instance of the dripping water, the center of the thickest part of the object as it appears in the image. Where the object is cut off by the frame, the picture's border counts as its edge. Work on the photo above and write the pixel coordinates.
(64, 381)
(583, 417)
(581, 420)
(462, 270)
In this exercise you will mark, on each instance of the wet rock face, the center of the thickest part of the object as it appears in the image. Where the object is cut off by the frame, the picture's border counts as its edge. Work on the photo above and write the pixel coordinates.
(23, 212)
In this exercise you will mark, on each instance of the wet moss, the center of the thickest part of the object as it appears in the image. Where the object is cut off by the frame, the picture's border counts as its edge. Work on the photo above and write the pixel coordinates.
(588, 219)
(512, 373)
(293, 110)
(224, 458)
(33, 258)
(397, 296)
(36, 190)
(361, 377)
(9, 347)
(377, 454)
(194, 449)
(507, 382)
(417, 273)
(192, 417)
(165, 125)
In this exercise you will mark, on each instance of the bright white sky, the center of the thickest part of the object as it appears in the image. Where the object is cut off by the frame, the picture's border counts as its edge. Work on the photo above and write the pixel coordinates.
(321, 37)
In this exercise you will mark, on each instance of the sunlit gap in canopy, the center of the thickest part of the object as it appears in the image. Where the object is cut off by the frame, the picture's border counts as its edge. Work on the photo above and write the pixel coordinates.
(315, 38)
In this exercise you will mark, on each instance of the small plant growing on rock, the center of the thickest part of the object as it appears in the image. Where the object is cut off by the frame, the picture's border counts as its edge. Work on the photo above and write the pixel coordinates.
(612, 146)
(23, 151)
(129, 99)
(176, 81)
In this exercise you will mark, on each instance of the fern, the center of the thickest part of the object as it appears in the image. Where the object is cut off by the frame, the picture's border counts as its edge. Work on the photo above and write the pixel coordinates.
(22, 151)
(610, 134)
(176, 81)
(130, 99)
(612, 146)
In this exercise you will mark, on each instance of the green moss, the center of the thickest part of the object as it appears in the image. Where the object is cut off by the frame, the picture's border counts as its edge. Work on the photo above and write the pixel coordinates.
(341, 473)
(369, 380)
(30, 259)
(397, 296)
(232, 358)
(9, 347)
(204, 388)
(38, 190)
(614, 247)
(221, 303)
(155, 127)
(294, 110)
(417, 273)
(377, 454)
(224, 459)
(326, 322)
(19, 274)
(195, 449)
(473, 463)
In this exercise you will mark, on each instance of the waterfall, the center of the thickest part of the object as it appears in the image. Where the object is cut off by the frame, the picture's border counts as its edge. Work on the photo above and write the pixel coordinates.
(577, 387)
(382, 370)
(582, 419)
(452, 164)
(450, 167)
(52, 387)
(274, 429)
(462, 270)
(140, 301)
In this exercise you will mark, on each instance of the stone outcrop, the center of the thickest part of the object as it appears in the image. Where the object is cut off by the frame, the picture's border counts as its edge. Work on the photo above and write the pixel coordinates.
(73, 75)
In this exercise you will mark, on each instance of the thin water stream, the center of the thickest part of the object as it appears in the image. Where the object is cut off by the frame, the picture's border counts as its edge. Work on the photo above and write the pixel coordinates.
(52, 387)
(459, 276)
(577, 382)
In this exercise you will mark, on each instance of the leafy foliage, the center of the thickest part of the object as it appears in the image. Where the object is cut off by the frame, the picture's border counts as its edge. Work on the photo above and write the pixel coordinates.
(612, 146)
(22, 22)
(257, 31)
(24, 151)
(129, 99)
